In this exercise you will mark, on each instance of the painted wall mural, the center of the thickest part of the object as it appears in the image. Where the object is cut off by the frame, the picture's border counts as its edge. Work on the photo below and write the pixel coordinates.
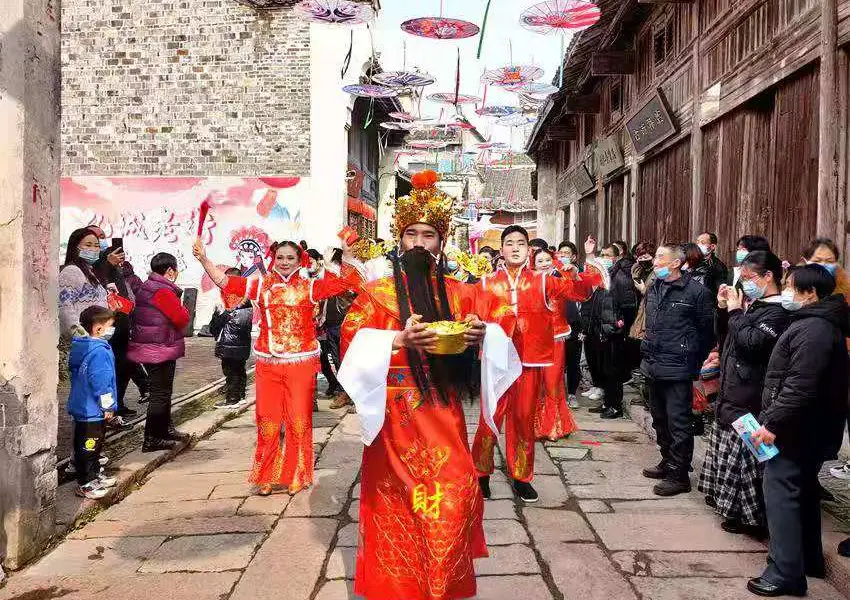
(160, 214)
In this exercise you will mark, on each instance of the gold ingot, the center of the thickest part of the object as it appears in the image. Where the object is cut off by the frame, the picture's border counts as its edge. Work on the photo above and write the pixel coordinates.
(450, 336)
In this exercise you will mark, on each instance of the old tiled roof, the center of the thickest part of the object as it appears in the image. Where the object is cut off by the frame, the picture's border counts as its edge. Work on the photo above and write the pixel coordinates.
(508, 190)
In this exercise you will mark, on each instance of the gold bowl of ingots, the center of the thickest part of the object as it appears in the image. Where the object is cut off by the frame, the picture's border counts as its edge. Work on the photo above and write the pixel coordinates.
(449, 336)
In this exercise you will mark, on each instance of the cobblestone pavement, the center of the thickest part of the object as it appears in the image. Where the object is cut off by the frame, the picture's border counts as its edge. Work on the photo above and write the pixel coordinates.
(193, 530)
(194, 371)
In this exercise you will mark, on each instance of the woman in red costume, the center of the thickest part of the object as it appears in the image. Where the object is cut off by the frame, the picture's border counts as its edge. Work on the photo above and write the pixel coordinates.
(554, 418)
(287, 359)
(420, 508)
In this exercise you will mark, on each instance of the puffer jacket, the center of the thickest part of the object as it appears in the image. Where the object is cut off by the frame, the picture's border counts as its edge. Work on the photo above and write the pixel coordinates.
(679, 329)
(804, 402)
(624, 296)
(232, 331)
(746, 352)
(158, 323)
(94, 389)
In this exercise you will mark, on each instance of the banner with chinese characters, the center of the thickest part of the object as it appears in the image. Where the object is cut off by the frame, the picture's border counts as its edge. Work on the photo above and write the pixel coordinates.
(160, 214)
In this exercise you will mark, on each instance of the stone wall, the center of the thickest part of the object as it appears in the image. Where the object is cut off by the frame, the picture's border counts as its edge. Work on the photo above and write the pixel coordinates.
(29, 211)
(184, 87)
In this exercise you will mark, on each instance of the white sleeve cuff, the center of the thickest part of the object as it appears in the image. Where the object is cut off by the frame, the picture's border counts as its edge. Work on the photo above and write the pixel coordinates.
(363, 375)
(106, 401)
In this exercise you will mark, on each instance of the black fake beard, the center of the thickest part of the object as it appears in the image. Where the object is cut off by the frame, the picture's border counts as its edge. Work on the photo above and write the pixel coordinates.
(447, 375)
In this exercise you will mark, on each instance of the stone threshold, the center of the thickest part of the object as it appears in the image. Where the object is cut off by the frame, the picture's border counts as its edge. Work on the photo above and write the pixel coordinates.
(837, 567)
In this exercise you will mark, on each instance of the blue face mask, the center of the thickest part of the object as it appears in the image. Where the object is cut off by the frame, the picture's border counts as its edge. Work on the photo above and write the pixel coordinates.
(607, 263)
(788, 301)
(662, 272)
(451, 265)
(90, 256)
(740, 255)
(104, 245)
(752, 290)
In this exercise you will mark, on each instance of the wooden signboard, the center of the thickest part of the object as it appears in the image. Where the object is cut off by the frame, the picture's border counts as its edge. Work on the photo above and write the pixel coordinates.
(609, 158)
(580, 180)
(651, 125)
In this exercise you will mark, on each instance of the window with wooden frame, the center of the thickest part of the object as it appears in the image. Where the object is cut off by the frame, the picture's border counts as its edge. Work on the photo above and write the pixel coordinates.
(663, 43)
(615, 96)
(589, 123)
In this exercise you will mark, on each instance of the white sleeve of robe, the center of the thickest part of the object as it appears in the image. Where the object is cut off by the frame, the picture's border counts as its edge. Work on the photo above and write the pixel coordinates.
(363, 375)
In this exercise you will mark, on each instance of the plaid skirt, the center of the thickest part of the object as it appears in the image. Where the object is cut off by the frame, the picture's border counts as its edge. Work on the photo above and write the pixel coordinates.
(732, 476)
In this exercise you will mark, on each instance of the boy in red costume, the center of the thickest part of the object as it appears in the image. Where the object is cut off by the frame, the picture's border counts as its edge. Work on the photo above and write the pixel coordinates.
(532, 295)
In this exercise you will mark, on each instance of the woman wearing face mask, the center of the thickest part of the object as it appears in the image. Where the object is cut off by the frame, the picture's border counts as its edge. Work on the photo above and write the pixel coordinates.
(804, 406)
(287, 358)
(731, 475)
(554, 419)
(607, 316)
(643, 277)
(79, 286)
(568, 255)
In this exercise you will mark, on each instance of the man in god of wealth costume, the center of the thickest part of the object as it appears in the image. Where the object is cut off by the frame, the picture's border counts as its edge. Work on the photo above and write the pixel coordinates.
(420, 506)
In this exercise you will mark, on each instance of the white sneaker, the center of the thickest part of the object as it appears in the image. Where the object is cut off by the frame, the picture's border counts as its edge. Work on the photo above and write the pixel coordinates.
(594, 394)
(572, 401)
(841, 471)
(106, 482)
(103, 460)
(92, 490)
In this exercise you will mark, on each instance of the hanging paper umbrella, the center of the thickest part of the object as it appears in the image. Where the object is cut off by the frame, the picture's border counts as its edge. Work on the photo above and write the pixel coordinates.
(400, 79)
(496, 111)
(512, 75)
(365, 90)
(530, 101)
(427, 144)
(337, 12)
(452, 98)
(401, 116)
(491, 145)
(558, 16)
(397, 125)
(542, 90)
(440, 28)
(516, 120)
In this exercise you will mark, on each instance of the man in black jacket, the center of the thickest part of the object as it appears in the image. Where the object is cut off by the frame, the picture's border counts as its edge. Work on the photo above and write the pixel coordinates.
(679, 336)
(804, 404)
(718, 272)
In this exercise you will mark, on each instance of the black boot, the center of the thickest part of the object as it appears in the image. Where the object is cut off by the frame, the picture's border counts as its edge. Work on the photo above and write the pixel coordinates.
(656, 472)
(671, 486)
(178, 436)
(484, 484)
(762, 587)
(611, 413)
(157, 444)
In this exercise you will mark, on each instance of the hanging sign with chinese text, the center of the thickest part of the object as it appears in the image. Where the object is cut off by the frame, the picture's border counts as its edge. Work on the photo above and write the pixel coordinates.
(580, 180)
(609, 158)
(651, 125)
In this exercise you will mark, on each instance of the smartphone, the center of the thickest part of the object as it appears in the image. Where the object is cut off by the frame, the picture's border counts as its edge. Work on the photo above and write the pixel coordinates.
(117, 243)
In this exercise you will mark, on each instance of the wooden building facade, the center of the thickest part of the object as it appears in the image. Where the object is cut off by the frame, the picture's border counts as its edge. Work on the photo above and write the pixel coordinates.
(680, 117)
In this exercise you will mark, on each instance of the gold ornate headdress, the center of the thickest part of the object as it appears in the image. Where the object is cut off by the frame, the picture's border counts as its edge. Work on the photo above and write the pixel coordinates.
(425, 204)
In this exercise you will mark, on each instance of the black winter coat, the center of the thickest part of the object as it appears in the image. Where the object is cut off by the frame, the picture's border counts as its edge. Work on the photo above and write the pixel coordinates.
(232, 331)
(623, 293)
(746, 352)
(804, 402)
(679, 329)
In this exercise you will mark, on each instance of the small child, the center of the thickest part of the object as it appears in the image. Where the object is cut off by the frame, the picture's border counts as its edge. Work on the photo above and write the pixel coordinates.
(93, 398)
(232, 330)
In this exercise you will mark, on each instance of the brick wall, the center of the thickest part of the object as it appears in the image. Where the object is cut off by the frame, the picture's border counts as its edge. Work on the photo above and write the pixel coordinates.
(183, 87)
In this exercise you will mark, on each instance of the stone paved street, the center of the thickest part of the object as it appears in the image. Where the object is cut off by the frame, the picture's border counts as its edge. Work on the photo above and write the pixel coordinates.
(193, 530)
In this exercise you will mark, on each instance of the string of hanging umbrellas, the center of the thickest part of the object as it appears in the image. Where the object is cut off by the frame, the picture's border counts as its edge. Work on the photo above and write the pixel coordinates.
(546, 18)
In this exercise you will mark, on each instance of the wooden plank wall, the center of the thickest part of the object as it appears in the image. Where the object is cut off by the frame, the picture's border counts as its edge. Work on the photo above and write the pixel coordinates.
(613, 223)
(760, 169)
(588, 219)
(664, 196)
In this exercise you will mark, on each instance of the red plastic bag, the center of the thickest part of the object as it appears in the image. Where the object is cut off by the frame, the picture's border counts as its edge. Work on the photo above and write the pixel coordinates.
(117, 303)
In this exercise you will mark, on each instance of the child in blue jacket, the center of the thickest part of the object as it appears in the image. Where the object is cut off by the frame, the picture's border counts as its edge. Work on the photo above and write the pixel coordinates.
(93, 397)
